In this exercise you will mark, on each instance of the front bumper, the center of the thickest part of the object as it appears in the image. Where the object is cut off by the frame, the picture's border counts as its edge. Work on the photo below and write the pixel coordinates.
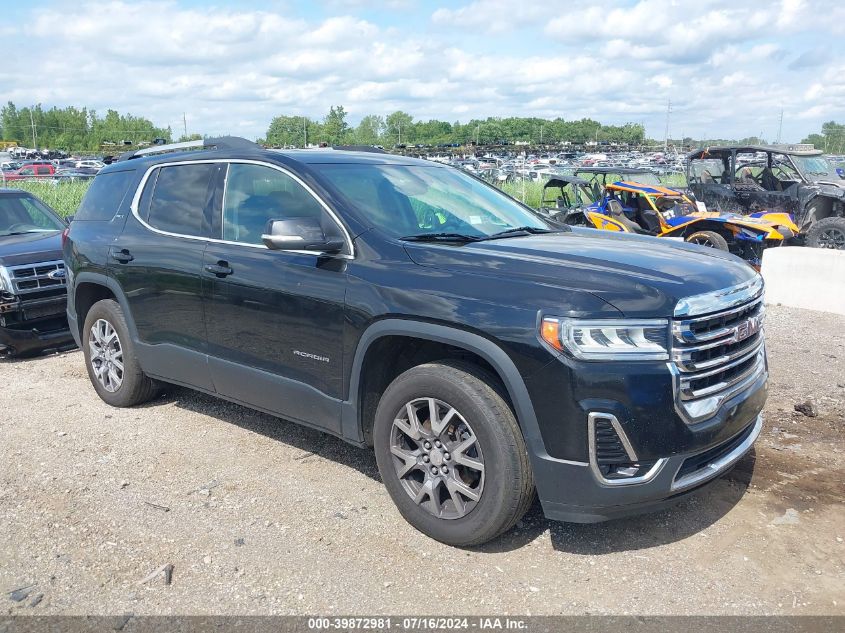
(585, 498)
(20, 334)
(19, 342)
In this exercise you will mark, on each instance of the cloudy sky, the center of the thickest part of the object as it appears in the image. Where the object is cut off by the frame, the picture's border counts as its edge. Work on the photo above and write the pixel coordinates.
(728, 67)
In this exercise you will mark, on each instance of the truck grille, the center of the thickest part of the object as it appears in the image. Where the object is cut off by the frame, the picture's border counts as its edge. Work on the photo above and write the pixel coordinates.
(29, 278)
(716, 355)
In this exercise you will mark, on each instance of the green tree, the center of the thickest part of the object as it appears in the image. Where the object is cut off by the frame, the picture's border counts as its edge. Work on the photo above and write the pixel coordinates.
(290, 130)
(335, 127)
(399, 127)
(369, 130)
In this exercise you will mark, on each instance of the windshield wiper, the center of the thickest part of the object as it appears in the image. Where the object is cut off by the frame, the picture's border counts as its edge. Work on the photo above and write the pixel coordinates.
(440, 237)
(519, 231)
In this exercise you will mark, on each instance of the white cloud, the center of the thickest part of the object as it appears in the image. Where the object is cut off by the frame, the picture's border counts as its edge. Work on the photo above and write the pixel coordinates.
(727, 67)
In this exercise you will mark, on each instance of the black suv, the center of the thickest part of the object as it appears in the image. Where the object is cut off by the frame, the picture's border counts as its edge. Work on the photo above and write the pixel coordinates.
(406, 305)
(32, 276)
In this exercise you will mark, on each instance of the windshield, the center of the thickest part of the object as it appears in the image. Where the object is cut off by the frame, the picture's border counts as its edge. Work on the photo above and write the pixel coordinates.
(408, 200)
(25, 214)
(674, 207)
(707, 171)
(815, 167)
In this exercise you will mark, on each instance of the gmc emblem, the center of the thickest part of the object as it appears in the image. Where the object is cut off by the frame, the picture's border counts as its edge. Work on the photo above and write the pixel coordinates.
(747, 328)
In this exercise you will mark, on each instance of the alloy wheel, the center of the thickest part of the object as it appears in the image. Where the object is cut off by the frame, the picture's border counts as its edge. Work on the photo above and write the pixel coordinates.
(106, 355)
(437, 458)
(832, 237)
(703, 241)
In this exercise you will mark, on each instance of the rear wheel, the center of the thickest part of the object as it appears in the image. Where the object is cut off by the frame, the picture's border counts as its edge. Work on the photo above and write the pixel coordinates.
(451, 454)
(110, 358)
(710, 239)
(827, 233)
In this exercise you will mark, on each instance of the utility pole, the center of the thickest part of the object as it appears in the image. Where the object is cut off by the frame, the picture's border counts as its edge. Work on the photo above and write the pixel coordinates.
(185, 124)
(780, 125)
(305, 132)
(477, 132)
(541, 135)
(666, 136)
(399, 125)
(34, 136)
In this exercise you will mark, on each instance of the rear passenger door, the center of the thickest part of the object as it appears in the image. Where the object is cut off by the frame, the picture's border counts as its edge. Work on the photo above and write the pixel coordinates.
(274, 318)
(157, 260)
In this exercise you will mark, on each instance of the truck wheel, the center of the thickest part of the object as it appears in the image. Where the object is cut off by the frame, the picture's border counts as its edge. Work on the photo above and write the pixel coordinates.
(451, 454)
(708, 238)
(110, 358)
(827, 233)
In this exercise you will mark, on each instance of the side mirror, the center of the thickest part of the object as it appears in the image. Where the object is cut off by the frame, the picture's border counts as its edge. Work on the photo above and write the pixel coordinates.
(299, 234)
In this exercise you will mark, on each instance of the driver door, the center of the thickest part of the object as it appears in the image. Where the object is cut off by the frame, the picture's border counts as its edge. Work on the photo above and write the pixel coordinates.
(274, 318)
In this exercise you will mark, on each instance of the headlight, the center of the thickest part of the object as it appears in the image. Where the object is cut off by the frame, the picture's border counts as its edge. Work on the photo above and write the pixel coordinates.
(608, 340)
(5, 282)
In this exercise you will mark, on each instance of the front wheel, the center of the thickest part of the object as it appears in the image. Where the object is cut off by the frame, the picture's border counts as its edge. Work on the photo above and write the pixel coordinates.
(710, 239)
(451, 454)
(827, 233)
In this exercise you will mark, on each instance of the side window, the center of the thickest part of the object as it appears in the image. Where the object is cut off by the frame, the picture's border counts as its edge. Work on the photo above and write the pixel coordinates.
(104, 196)
(256, 194)
(28, 171)
(180, 197)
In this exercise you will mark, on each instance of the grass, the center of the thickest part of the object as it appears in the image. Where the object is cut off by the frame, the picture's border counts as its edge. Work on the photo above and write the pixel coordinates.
(534, 190)
(64, 197)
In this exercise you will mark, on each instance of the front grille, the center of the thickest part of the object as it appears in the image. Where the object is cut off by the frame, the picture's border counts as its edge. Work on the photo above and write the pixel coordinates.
(716, 355)
(30, 278)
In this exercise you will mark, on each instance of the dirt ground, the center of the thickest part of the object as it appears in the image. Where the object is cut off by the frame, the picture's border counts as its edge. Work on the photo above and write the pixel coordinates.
(260, 516)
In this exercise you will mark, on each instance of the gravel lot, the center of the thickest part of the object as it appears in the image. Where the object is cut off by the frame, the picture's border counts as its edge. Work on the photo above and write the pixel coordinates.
(260, 516)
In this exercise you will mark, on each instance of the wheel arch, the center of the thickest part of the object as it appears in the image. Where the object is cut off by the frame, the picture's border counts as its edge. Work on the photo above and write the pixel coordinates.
(817, 208)
(88, 288)
(704, 224)
(494, 359)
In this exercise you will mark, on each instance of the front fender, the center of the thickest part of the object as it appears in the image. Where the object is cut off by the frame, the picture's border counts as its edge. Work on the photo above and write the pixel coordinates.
(485, 348)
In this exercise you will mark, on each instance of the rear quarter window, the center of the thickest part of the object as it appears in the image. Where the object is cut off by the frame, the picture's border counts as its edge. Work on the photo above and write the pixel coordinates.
(104, 196)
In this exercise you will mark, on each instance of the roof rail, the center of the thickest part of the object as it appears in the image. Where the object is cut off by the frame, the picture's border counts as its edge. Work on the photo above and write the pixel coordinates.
(223, 142)
(359, 148)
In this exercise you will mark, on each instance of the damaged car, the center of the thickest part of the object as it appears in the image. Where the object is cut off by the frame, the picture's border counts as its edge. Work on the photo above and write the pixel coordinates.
(33, 290)
(788, 179)
(633, 207)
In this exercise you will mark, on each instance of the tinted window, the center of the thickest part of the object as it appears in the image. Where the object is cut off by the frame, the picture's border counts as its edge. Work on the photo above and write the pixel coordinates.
(255, 195)
(180, 198)
(104, 196)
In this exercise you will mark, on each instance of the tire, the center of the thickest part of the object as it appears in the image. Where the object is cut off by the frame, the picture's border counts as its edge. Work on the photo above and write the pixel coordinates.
(504, 489)
(111, 337)
(827, 233)
(709, 238)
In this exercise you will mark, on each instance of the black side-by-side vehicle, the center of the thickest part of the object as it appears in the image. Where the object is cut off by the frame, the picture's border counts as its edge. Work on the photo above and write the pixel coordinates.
(484, 353)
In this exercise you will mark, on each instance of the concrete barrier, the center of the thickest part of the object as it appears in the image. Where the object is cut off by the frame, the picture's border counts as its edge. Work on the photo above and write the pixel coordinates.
(811, 278)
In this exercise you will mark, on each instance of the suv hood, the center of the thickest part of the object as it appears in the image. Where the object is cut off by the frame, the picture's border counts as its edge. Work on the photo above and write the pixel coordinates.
(30, 248)
(639, 276)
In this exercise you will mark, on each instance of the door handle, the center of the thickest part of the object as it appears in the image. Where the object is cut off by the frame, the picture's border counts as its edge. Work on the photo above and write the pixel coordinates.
(123, 256)
(220, 269)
